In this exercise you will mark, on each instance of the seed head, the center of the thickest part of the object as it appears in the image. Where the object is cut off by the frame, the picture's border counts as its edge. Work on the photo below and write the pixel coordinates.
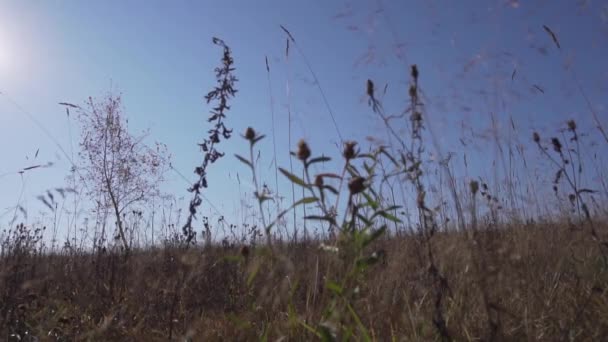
(319, 181)
(356, 185)
(536, 137)
(349, 150)
(303, 150)
(572, 125)
(250, 134)
(557, 145)
(474, 185)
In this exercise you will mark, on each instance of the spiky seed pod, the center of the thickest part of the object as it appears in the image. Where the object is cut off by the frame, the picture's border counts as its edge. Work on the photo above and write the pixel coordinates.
(536, 137)
(356, 185)
(303, 150)
(572, 125)
(250, 134)
(349, 150)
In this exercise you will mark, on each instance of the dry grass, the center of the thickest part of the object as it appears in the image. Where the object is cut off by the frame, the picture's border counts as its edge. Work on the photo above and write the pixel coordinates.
(546, 282)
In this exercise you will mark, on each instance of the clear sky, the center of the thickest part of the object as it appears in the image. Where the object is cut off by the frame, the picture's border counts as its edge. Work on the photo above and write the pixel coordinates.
(159, 55)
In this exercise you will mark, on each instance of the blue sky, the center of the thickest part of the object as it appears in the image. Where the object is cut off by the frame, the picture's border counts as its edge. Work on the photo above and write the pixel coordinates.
(159, 55)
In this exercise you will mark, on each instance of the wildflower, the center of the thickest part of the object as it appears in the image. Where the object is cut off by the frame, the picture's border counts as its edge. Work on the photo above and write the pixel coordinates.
(572, 125)
(250, 134)
(356, 185)
(319, 181)
(303, 150)
(349, 150)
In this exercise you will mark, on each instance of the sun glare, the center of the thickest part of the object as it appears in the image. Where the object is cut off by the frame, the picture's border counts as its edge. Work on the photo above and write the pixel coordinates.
(4, 53)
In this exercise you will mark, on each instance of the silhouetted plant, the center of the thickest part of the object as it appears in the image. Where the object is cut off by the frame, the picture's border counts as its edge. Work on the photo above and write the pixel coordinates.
(221, 93)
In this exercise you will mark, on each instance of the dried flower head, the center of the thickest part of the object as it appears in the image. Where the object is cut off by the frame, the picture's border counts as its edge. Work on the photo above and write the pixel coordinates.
(536, 137)
(557, 145)
(250, 134)
(474, 185)
(319, 181)
(349, 150)
(303, 150)
(356, 185)
(572, 125)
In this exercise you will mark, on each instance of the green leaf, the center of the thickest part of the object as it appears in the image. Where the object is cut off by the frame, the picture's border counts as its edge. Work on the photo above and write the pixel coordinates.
(321, 159)
(374, 235)
(253, 274)
(389, 156)
(370, 201)
(244, 161)
(364, 219)
(359, 323)
(330, 188)
(390, 217)
(334, 287)
(326, 335)
(330, 175)
(365, 155)
(305, 200)
(392, 207)
(363, 262)
(319, 218)
(293, 178)
(258, 139)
